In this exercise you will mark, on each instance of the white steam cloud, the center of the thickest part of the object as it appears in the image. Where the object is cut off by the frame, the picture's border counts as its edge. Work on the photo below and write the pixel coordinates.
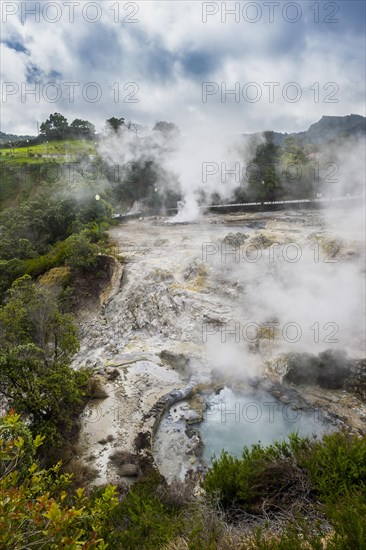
(197, 166)
(314, 298)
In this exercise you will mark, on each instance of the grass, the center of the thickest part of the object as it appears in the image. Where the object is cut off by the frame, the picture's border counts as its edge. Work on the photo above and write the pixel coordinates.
(65, 150)
(23, 169)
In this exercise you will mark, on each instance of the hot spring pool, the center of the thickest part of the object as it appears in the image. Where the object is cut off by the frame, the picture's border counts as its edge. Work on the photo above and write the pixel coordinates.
(235, 419)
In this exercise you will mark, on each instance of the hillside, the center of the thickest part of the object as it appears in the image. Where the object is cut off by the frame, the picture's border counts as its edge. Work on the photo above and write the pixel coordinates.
(5, 138)
(326, 129)
(24, 166)
(23, 169)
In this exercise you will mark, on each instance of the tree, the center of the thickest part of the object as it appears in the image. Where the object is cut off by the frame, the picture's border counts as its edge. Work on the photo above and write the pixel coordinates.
(36, 349)
(42, 221)
(55, 127)
(134, 127)
(31, 316)
(138, 181)
(296, 170)
(82, 128)
(167, 128)
(10, 270)
(113, 124)
(264, 177)
(79, 252)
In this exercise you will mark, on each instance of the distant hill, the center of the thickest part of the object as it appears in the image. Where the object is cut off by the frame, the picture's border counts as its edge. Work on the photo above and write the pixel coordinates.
(5, 138)
(326, 129)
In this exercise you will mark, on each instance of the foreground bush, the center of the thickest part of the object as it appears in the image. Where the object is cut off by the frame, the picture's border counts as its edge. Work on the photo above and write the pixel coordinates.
(328, 469)
(325, 478)
(336, 465)
(39, 508)
(36, 508)
(270, 473)
(143, 520)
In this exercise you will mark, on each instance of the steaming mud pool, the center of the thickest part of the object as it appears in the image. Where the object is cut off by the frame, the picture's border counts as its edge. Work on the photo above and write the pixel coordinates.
(233, 420)
(214, 335)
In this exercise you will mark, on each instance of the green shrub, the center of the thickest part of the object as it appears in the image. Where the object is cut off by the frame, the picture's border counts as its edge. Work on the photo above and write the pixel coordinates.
(39, 265)
(328, 469)
(10, 270)
(142, 520)
(80, 253)
(348, 519)
(37, 507)
(346, 529)
(260, 473)
(77, 252)
(336, 465)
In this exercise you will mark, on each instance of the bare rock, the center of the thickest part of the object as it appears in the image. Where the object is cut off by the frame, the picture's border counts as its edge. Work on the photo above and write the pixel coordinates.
(128, 470)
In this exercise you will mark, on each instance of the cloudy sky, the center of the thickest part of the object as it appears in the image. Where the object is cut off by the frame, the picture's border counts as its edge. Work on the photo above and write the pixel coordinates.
(228, 67)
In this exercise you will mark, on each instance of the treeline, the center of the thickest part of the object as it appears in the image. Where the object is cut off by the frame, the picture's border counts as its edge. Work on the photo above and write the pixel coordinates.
(275, 172)
(57, 127)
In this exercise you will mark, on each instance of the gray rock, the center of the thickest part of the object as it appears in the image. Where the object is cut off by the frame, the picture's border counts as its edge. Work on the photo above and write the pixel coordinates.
(128, 470)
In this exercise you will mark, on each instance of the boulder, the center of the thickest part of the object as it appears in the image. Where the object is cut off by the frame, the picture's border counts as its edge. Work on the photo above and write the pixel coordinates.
(128, 470)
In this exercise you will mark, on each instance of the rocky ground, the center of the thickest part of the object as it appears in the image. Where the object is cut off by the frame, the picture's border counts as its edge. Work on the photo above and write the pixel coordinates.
(202, 305)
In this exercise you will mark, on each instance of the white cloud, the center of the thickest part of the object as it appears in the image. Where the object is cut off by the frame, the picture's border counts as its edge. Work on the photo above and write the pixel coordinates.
(169, 53)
